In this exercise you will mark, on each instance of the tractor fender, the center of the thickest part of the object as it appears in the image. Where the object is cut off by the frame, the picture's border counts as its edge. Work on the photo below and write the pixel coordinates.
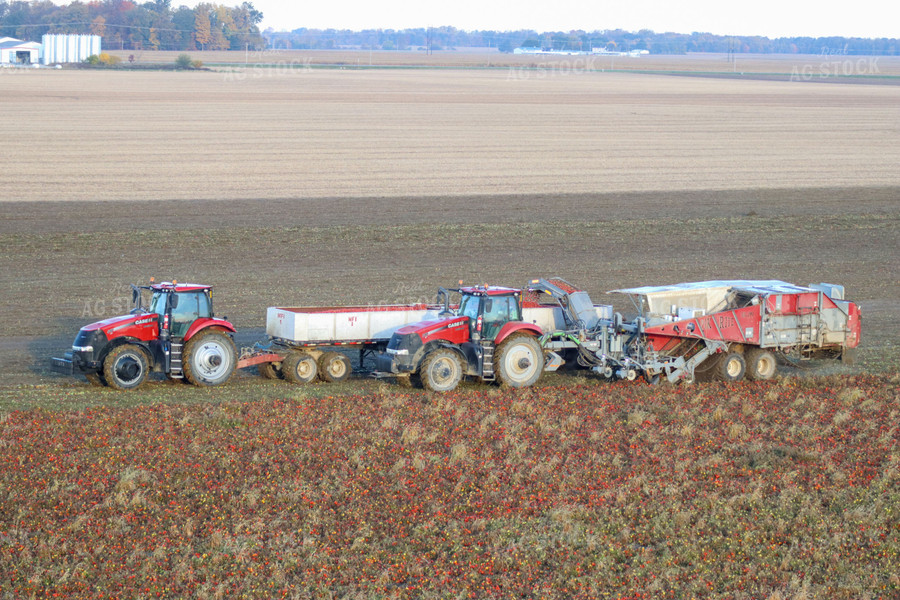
(207, 323)
(516, 327)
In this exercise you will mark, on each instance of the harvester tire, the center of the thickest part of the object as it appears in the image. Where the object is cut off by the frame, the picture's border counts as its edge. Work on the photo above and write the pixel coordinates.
(761, 364)
(270, 371)
(334, 367)
(441, 370)
(731, 367)
(209, 358)
(125, 367)
(299, 367)
(519, 361)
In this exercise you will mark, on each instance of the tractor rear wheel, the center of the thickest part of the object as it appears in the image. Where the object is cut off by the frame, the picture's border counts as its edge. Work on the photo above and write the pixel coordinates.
(731, 367)
(761, 364)
(520, 361)
(299, 367)
(334, 367)
(125, 367)
(441, 370)
(209, 358)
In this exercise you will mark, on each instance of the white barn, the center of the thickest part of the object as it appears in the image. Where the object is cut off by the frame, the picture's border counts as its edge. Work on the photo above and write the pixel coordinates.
(17, 52)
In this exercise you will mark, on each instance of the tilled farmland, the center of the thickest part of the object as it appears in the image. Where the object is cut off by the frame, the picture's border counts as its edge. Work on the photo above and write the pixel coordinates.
(356, 187)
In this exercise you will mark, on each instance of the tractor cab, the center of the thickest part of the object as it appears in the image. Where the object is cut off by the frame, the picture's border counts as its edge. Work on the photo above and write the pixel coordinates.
(489, 309)
(179, 305)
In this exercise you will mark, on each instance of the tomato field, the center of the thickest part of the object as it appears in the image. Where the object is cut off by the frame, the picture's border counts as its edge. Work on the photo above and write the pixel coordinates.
(587, 490)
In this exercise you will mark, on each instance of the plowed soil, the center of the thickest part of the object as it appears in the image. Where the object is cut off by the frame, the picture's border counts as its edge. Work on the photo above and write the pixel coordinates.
(326, 187)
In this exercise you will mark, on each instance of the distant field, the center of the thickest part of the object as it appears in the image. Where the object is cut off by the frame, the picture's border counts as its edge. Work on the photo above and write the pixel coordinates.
(696, 62)
(306, 133)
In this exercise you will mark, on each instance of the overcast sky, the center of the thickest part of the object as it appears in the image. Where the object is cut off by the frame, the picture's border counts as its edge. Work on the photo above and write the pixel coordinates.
(772, 18)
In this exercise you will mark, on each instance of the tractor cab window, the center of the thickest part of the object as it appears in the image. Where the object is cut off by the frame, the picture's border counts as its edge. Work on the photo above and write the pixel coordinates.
(469, 306)
(189, 307)
(158, 303)
(498, 311)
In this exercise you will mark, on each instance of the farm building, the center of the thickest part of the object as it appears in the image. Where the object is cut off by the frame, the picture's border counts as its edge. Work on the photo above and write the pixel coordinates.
(68, 48)
(17, 52)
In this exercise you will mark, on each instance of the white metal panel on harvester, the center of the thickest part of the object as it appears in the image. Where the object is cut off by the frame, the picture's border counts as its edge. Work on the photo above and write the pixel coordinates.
(318, 325)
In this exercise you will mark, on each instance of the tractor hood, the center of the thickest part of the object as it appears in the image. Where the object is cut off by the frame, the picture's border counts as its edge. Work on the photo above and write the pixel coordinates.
(450, 329)
(114, 326)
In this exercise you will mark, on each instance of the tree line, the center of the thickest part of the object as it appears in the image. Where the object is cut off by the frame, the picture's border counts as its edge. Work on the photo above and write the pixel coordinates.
(127, 25)
(156, 25)
(446, 38)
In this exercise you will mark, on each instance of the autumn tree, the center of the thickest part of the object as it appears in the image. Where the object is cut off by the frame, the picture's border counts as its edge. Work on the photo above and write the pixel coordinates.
(98, 26)
(202, 25)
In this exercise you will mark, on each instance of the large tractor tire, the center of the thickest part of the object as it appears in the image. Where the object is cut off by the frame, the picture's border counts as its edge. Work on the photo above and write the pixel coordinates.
(519, 361)
(441, 370)
(334, 367)
(270, 371)
(761, 364)
(125, 367)
(731, 367)
(209, 358)
(299, 367)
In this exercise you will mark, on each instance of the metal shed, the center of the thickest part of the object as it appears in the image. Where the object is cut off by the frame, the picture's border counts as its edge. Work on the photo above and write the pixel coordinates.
(17, 52)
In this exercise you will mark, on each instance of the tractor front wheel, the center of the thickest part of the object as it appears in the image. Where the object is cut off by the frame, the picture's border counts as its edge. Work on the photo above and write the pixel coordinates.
(209, 358)
(125, 367)
(441, 370)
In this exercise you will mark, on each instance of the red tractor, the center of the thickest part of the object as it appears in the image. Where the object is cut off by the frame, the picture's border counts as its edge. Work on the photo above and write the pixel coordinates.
(485, 337)
(177, 335)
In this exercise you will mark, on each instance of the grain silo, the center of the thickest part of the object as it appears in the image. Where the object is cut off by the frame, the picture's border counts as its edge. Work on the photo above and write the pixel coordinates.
(68, 48)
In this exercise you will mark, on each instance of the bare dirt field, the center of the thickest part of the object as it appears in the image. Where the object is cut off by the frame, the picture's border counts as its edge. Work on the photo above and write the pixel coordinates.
(271, 133)
(311, 186)
(329, 186)
(323, 186)
(819, 64)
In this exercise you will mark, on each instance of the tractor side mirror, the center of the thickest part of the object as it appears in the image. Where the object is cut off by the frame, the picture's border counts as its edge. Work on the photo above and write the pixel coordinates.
(171, 302)
(488, 305)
